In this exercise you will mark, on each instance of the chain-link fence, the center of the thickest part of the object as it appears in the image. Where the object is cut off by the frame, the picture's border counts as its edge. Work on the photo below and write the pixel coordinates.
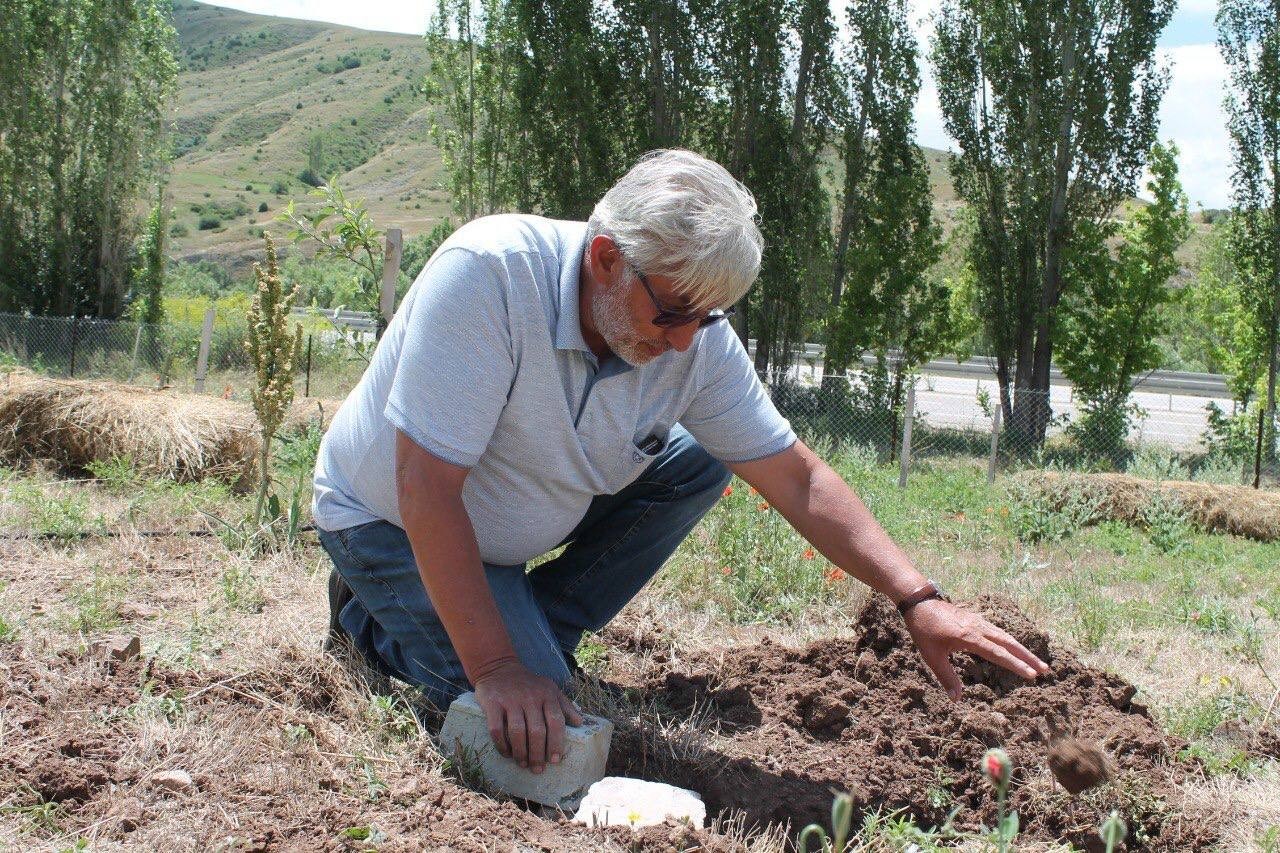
(903, 422)
(1152, 435)
(170, 354)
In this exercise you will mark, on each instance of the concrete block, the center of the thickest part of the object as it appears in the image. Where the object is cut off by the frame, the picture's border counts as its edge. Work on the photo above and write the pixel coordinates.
(619, 801)
(586, 751)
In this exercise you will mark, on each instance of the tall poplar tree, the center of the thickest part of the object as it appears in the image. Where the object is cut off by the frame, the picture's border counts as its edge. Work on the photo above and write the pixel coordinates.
(1249, 39)
(83, 92)
(883, 298)
(1053, 104)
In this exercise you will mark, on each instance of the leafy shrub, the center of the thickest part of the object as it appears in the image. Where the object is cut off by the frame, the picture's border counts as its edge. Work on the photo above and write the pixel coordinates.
(1154, 462)
(1167, 524)
(208, 223)
(1051, 514)
(178, 230)
(262, 208)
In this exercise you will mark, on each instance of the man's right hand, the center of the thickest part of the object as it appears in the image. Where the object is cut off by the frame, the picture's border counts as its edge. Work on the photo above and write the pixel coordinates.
(526, 713)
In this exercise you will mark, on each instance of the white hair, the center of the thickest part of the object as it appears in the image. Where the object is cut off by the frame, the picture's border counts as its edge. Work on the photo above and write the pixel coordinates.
(678, 214)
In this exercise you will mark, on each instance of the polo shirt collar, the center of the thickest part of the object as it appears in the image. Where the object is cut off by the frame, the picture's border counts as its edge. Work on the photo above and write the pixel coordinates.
(568, 324)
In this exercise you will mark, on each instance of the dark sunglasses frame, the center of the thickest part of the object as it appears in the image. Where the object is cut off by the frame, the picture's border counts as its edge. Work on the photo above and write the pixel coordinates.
(668, 319)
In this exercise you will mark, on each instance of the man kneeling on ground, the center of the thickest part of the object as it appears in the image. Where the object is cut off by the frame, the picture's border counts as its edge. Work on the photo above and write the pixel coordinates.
(550, 383)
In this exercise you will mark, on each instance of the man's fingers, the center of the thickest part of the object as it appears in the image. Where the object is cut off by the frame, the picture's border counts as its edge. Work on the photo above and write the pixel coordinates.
(1020, 651)
(555, 732)
(571, 712)
(495, 719)
(1001, 656)
(516, 729)
(937, 660)
(535, 719)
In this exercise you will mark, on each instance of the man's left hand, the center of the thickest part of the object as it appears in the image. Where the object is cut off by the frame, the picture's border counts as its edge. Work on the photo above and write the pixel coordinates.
(940, 628)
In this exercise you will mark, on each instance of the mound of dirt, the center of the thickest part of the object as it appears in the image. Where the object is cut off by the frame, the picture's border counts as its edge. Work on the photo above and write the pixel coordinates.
(73, 731)
(864, 715)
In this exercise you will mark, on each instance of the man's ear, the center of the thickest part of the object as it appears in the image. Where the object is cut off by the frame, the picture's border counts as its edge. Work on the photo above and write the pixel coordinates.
(604, 258)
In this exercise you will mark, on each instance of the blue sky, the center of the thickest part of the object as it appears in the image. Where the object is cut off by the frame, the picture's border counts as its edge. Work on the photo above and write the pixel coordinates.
(1190, 115)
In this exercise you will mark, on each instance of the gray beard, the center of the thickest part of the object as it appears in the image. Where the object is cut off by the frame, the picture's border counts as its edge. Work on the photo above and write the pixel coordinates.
(609, 314)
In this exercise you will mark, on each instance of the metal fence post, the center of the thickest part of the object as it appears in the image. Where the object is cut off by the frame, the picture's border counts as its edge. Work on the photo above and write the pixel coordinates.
(908, 416)
(995, 443)
(202, 361)
(390, 271)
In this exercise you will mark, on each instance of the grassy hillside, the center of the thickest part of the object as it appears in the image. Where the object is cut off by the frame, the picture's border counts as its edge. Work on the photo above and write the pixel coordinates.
(257, 92)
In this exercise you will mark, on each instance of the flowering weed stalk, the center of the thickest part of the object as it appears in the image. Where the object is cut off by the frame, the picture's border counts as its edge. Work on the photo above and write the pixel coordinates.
(999, 769)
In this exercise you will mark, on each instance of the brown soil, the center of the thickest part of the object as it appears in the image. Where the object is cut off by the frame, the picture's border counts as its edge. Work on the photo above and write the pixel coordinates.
(863, 715)
(1078, 765)
(858, 715)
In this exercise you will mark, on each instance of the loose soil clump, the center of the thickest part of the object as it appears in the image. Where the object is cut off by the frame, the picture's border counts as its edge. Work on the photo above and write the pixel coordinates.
(864, 715)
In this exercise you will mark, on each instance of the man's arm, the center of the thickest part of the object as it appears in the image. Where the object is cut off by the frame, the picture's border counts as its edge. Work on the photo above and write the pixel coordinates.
(825, 511)
(526, 712)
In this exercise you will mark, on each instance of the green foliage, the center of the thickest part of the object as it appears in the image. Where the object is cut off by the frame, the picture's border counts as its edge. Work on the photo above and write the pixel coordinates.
(148, 277)
(86, 88)
(887, 238)
(1167, 524)
(209, 222)
(1045, 515)
(1111, 317)
(1054, 109)
(1249, 40)
(841, 817)
(419, 248)
(341, 228)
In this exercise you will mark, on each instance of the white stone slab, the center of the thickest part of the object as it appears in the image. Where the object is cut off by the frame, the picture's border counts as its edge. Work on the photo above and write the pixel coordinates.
(586, 751)
(619, 801)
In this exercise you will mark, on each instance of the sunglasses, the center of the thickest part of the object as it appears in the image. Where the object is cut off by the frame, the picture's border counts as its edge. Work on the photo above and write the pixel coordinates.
(668, 319)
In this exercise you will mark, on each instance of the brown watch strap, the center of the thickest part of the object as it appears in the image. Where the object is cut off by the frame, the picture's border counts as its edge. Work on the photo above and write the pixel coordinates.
(927, 592)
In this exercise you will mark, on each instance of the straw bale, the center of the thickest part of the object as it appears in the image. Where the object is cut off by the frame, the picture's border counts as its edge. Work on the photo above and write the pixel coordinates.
(1213, 507)
(72, 423)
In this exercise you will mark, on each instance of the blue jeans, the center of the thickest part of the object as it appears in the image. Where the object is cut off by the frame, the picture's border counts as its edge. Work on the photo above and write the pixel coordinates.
(619, 544)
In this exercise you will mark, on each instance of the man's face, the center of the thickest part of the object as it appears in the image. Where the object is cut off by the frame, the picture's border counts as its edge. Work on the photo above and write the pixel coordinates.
(623, 314)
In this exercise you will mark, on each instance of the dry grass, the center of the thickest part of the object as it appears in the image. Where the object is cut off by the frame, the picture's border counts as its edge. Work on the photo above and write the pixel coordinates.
(182, 437)
(1216, 508)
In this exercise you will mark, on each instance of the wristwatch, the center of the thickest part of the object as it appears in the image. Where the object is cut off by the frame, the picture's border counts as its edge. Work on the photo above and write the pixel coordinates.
(926, 592)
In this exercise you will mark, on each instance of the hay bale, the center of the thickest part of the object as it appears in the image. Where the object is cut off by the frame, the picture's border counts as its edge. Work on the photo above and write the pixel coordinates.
(1213, 507)
(72, 423)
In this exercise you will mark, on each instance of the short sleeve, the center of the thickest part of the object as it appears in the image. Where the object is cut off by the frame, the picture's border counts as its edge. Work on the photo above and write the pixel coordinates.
(731, 415)
(455, 365)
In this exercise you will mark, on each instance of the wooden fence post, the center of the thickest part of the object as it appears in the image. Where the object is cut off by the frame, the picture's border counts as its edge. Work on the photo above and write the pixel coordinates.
(995, 444)
(306, 389)
(907, 417)
(202, 362)
(390, 272)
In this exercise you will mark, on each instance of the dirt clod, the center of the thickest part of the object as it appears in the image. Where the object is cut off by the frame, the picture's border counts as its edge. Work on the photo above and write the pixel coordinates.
(116, 648)
(1078, 765)
(179, 781)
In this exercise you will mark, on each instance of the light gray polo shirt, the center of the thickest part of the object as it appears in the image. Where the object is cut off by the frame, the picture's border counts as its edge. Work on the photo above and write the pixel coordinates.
(484, 366)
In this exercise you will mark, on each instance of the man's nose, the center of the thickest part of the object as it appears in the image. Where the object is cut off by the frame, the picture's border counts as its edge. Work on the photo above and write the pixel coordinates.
(681, 337)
